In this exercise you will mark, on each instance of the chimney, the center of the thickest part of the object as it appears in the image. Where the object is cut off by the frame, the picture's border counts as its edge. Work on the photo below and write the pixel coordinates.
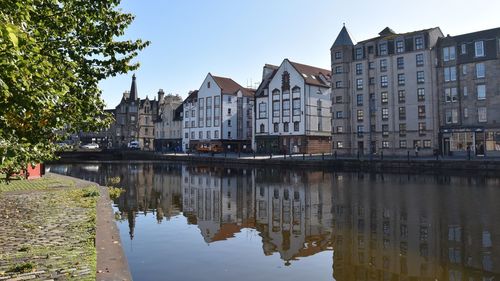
(161, 94)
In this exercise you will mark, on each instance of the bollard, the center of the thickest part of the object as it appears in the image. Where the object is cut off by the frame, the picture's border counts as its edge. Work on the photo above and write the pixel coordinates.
(254, 155)
(270, 155)
(323, 156)
(335, 154)
(408, 156)
(239, 154)
(303, 156)
(358, 154)
(382, 155)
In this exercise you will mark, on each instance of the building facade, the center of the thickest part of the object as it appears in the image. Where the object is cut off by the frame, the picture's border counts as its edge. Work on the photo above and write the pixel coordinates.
(135, 120)
(218, 117)
(384, 93)
(168, 125)
(293, 109)
(468, 72)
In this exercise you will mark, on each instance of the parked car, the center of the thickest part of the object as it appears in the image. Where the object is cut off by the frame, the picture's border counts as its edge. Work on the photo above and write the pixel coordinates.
(133, 145)
(90, 146)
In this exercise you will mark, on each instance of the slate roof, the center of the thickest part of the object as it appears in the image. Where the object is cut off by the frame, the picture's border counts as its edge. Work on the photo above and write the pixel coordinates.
(343, 39)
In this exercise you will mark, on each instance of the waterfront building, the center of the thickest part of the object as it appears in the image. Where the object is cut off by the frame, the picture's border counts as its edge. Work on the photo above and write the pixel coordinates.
(218, 117)
(168, 125)
(468, 70)
(384, 93)
(293, 109)
(135, 119)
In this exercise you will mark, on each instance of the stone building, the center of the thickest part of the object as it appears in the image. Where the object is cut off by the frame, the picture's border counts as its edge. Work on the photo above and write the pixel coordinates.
(168, 126)
(384, 93)
(135, 119)
(293, 109)
(469, 91)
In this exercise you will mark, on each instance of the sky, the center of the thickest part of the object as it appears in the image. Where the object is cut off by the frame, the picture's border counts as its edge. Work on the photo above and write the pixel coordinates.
(235, 38)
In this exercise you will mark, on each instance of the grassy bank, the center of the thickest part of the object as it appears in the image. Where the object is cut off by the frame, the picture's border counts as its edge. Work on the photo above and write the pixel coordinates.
(48, 229)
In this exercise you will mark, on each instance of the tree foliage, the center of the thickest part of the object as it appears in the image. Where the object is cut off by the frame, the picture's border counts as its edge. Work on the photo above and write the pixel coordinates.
(53, 53)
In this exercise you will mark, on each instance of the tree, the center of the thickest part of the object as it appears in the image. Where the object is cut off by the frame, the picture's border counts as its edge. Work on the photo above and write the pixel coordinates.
(53, 53)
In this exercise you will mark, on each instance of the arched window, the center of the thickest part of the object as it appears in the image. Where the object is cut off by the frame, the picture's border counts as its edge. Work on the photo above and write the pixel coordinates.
(276, 93)
(295, 90)
(262, 128)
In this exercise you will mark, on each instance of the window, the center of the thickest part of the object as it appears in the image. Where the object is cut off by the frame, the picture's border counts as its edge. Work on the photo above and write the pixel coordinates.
(400, 46)
(402, 129)
(383, 65)
(465, 93)
(421, 112)
(420, 94)
(229, 123)
(464, 69)
(296, 107)
(229, 135)
(385, 114)
(403, 144)
(217, 101)
(340, 129)
(402, 113)
(286, 107)
(360, 130)
(132, 118)
(463, 48)
(371, 65)
(338, 69)
(383, 81)
(338, 84)
(450, 74)
(339, 114)
(359, 69)
(447, 116)
(480, 70)
(384, 97)
(479, 47)
(296, 126)
(386, 144)
(358, 53)
(371, 80)
(420, 59)
(186, 135)
(229, 99)
(340, 144)
(481, 114)
(208, 85)
(385, 130)
(285, 127)
(275, 127)
(216, 134)
(427, 143)
(466, 112)
(401, 79)
(419, 43)
(262, 110)
(360, 115)
(208, 135)
(359, 84)
(451, 94)
(481, 92)
(338, 55)
(382, 49)
(229, 111)
(449, 53)
(359, 100)
(401, 62)
(401, 96)
(192, 135)
(262, 128)
(420, 77)
(421, 128)
(276, 108)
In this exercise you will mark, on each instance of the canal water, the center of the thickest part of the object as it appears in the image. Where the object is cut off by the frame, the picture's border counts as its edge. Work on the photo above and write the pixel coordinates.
(201, 222)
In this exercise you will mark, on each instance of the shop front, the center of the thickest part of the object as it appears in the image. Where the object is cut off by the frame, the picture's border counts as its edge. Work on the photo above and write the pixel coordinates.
(474, 141)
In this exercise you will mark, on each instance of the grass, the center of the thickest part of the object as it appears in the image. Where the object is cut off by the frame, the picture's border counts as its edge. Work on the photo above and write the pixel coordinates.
(22, 268)
(30, 185)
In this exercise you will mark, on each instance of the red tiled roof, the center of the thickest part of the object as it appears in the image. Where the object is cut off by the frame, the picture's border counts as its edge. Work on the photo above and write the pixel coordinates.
(229, 86)
(313, 73)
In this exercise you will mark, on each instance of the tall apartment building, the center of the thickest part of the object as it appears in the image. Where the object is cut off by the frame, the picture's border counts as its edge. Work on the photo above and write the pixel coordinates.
(293, 109)
(134, 119)
(218, 116)
(168, 126)
(384, 93)
(469, 87)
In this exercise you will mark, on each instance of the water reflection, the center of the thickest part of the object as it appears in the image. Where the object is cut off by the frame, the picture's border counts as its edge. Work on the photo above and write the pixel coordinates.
(376, 227)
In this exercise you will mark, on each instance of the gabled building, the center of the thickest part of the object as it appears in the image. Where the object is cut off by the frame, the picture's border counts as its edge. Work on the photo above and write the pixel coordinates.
(168, 125)
(384, 93)
(469, 90)
(134, 119)
(293, 109)
(218, 117)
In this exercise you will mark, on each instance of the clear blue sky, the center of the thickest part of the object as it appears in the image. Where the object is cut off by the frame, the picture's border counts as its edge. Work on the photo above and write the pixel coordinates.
(235, 38)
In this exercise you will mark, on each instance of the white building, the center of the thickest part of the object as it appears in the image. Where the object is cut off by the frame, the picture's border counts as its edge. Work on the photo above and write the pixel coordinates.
(218, 117)
(293, 109)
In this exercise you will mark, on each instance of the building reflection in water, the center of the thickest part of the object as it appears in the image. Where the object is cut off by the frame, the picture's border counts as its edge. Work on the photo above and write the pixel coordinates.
(378, 227)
